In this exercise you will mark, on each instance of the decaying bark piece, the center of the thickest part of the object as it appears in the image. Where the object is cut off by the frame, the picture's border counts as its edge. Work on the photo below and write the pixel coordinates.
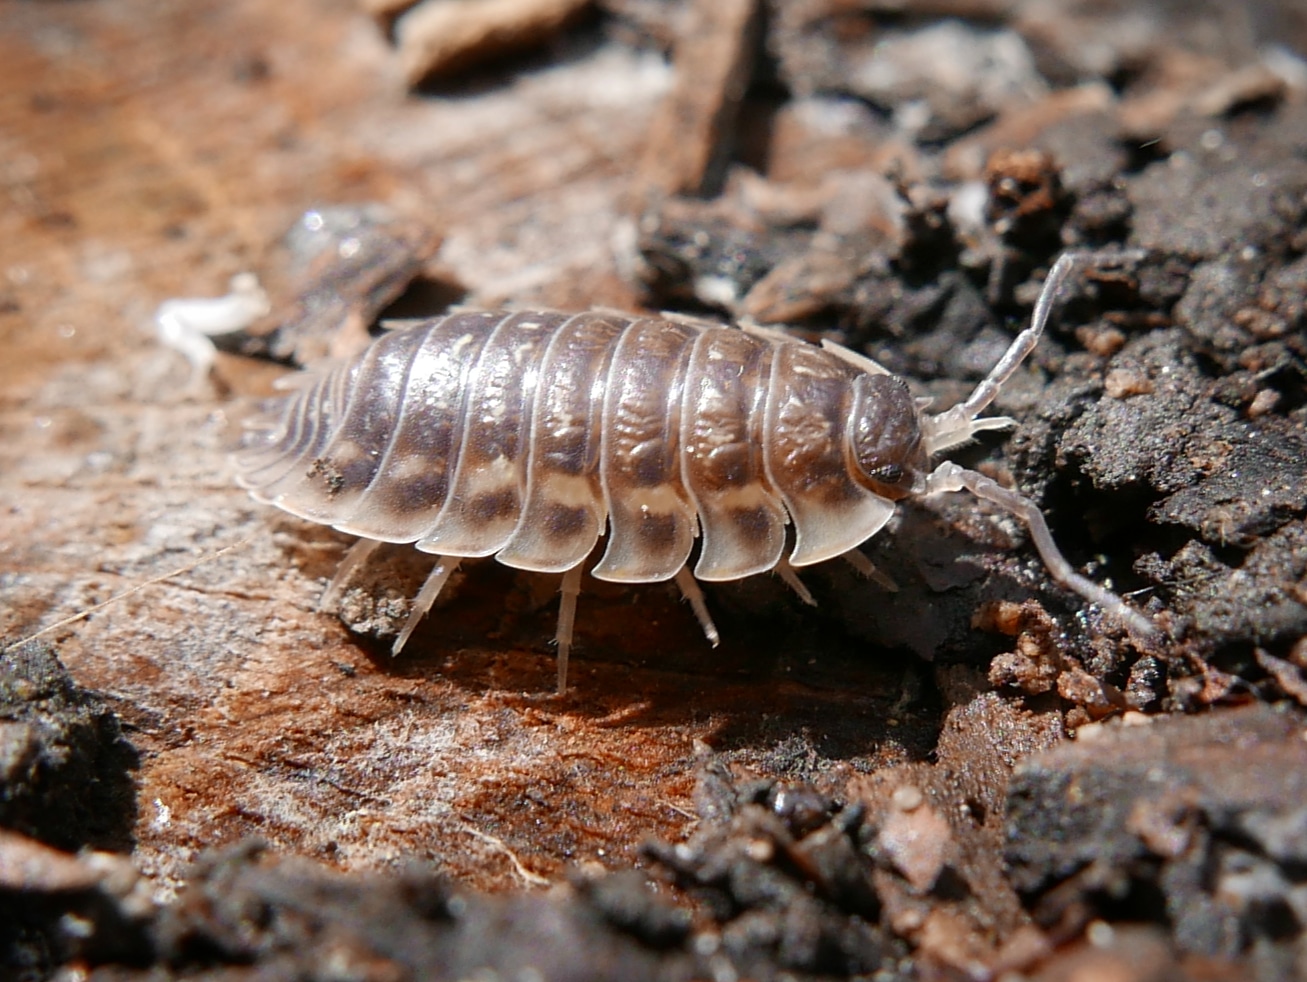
(1205, 812)
(351, 263)
(64, 763)
(691, 134)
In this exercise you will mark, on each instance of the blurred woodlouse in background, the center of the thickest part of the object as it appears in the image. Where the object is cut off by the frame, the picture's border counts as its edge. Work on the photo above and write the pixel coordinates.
(524, 434)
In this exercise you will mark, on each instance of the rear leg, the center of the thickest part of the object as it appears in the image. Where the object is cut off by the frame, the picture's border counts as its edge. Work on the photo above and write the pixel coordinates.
(357, 555)
(791, 579)
(439, 576)
(568, 594)
(859, 561)
(690, 590)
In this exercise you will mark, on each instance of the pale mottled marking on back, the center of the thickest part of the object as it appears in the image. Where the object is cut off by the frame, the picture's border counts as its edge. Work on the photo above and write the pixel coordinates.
(483, 505)
(722, 438)
(564, 513)
(412, 483)
(651, 521)
(804, 440)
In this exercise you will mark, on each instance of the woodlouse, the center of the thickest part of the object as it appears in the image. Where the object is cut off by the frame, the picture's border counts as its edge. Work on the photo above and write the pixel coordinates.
(526, 434)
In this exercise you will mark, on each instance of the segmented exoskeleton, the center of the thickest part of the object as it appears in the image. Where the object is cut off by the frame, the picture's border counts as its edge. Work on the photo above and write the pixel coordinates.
(529, 435)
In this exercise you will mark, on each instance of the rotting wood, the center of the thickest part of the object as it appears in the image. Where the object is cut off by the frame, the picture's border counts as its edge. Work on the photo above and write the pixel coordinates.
(691, 135)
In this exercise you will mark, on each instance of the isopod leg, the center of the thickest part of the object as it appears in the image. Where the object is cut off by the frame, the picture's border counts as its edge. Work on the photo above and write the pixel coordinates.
(786, 572)
(859, 561)
(568, 592)
(950, 477)
(358, 554)
(690, 590)
(439, 576)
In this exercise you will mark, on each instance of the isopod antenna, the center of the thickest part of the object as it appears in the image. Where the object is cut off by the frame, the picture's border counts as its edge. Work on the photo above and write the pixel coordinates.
(959, 424)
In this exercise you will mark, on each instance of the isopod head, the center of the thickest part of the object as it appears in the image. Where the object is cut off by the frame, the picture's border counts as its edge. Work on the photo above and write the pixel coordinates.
(885, 436)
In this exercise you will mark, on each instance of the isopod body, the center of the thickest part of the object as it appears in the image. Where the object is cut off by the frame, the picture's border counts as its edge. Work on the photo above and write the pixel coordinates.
(528, 435)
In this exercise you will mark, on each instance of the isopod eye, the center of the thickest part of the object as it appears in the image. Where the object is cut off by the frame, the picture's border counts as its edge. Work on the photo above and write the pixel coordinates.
(885, 435)
(889, 474)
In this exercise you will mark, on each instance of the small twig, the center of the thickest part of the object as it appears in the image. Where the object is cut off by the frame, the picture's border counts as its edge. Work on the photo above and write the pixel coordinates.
(534, 879)
(73, 619)
(690, 137)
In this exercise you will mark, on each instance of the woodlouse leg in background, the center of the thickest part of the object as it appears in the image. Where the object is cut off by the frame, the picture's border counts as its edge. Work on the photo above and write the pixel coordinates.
(357, 555)
(791, 579)
(690, 590)
(439, 576)
(568, 593)
(948, 476)
(865, 567)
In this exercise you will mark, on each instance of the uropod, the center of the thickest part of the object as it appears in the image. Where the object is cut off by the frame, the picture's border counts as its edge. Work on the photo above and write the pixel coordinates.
(529, 435)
